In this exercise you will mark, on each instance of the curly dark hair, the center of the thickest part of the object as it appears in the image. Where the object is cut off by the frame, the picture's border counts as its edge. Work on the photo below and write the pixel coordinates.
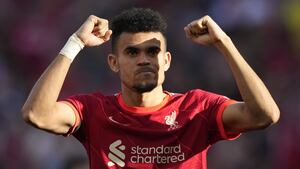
(136, 20)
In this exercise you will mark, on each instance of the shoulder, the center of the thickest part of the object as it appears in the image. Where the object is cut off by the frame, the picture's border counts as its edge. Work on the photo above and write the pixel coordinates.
(195, 94)
(205, 95)
(198, 97)
(90, 97)
(188, 99)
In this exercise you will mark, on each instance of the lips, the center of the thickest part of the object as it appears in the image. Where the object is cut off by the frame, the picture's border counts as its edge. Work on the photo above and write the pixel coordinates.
(145, 70)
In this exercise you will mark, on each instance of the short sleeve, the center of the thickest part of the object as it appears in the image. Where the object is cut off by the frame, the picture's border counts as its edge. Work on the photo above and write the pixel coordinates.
(225, 134)
(77, 103)
(214, 106)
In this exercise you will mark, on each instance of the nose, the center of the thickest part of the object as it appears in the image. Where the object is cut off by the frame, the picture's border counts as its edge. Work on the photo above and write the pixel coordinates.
(143, 59)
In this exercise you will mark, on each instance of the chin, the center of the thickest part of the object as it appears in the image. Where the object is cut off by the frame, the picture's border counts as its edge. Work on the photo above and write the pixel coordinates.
(143, 88)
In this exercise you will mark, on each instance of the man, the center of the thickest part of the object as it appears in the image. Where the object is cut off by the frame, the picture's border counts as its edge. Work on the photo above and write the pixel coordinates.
(144, 126)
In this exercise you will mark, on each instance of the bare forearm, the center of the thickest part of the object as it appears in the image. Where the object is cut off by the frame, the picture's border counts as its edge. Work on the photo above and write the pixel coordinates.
(258, 109)
(45, 92)
(253, 91)
(41, 108)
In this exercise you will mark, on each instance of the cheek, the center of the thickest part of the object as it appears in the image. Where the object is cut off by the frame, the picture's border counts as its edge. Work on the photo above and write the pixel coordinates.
(124, 67)
(162, 64)
(124, 74)
(161, 72)
(162, 67)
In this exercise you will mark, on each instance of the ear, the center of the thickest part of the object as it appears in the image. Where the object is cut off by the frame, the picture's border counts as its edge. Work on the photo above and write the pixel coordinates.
(167, 61)
(113, 62)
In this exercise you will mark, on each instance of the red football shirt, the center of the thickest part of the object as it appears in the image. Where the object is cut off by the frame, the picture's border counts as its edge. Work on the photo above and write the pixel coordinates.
(175, 134)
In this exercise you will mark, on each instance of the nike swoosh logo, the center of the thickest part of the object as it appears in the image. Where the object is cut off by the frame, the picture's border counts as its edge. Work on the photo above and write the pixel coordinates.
(111, 119)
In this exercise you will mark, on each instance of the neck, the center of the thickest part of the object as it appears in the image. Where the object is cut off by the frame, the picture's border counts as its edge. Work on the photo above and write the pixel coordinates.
(148, 99)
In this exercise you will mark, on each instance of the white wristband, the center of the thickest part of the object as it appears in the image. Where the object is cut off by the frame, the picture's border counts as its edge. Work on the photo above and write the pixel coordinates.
(73, 46)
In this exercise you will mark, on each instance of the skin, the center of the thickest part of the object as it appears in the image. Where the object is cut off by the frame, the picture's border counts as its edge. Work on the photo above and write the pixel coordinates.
(138, 64)
(141, 60)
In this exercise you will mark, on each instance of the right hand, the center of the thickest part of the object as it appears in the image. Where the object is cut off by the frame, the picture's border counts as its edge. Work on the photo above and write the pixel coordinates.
(94, 31)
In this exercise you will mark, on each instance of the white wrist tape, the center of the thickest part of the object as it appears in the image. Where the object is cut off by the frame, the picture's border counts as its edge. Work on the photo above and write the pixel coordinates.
(73, 46)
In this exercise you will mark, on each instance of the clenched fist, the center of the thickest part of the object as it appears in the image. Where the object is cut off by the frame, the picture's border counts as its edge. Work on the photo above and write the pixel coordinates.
(94, 31)
(205, 31)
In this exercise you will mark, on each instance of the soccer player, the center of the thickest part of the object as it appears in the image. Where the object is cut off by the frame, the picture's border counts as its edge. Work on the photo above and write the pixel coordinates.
(145, 126)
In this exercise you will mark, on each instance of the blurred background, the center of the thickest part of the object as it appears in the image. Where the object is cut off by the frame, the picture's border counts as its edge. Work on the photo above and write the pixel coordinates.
(267, 33)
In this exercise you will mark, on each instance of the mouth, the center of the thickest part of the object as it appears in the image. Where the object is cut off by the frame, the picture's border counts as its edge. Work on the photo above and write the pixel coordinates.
(145, 70)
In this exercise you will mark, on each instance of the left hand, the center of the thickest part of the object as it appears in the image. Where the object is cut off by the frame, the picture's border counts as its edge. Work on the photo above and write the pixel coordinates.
(205, 31)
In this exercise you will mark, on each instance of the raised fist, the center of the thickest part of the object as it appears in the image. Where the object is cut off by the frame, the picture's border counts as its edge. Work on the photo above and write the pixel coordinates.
(94, 31)
(204, 31)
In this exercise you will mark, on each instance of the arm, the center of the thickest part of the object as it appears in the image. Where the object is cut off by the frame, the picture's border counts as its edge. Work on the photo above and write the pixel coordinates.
(41, 108)
(258, 110)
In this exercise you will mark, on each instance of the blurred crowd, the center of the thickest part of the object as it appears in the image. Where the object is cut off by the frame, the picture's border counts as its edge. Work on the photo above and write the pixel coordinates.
(267, 33)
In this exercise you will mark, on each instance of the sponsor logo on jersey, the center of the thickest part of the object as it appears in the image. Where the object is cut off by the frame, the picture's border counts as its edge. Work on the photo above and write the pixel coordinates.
(161, 154)
(171, 121)
(115, 154)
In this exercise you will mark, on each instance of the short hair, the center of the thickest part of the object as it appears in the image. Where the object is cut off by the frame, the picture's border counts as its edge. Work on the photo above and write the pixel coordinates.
(136, 20)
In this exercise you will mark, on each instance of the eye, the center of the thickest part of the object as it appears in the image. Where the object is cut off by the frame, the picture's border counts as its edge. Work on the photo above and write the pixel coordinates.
(131, 51)
(153, 51)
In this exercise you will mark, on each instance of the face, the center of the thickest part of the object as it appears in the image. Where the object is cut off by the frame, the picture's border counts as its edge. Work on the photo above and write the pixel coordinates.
(141, 60)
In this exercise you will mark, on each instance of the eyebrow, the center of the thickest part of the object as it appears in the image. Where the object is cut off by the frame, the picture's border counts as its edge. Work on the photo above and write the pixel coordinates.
(131, 48)
(154, 48)
(148, 47)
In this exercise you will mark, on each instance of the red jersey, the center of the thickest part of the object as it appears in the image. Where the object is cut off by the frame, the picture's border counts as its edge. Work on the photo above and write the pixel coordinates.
(175, 134)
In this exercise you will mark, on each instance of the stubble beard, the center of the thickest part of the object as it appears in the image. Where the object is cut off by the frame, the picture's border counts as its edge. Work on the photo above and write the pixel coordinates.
(144, 87)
